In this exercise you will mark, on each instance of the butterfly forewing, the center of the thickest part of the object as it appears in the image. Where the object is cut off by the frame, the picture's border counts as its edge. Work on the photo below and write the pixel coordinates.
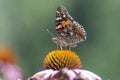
(69, 32)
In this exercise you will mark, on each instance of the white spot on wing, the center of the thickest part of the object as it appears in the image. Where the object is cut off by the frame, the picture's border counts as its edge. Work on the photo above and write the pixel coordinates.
(59, 26)
(74, 22)
(58, 18)
(64, 15)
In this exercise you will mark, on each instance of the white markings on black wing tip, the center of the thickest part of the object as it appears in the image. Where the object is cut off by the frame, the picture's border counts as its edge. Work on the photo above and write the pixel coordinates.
(58, 18)
(74, 22)
(69, 17)
(62, 7)
(64, 16)
(63, 13)
(58, 27)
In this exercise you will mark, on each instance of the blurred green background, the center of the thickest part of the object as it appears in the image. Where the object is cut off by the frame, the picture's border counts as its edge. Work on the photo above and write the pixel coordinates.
(22, 23)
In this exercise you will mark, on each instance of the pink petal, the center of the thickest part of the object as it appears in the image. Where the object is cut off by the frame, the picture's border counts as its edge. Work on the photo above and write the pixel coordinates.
(12, 72)
(86, 75)
(42, 75)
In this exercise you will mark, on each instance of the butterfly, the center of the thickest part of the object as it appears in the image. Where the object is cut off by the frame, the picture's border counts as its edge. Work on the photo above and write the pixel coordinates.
(69, 32)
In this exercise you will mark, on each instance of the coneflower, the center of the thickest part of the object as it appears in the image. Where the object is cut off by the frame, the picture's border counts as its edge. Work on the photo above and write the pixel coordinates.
(8, 64)
(63, 65)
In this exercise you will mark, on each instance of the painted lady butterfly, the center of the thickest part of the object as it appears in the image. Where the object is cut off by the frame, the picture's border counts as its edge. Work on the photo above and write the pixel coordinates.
(69, 32)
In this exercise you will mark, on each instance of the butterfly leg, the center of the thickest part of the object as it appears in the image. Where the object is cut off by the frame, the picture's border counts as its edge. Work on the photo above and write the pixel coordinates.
(61, 47)
(69, 47)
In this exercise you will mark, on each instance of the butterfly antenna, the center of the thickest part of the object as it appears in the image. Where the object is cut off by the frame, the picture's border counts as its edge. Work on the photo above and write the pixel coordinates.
(50, 33)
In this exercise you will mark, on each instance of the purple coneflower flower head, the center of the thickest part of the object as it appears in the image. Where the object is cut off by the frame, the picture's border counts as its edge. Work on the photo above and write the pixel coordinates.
(63, 65)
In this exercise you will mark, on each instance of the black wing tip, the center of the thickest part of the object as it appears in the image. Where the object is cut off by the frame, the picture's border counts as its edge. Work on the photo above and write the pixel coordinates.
(61, 7)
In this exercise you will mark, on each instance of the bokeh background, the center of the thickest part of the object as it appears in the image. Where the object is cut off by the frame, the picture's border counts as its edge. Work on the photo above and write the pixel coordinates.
(22, 24)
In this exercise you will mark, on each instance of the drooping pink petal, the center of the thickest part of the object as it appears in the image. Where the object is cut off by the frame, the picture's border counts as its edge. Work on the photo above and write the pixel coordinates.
(12, 72)
(86, 75)
(42, 75)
